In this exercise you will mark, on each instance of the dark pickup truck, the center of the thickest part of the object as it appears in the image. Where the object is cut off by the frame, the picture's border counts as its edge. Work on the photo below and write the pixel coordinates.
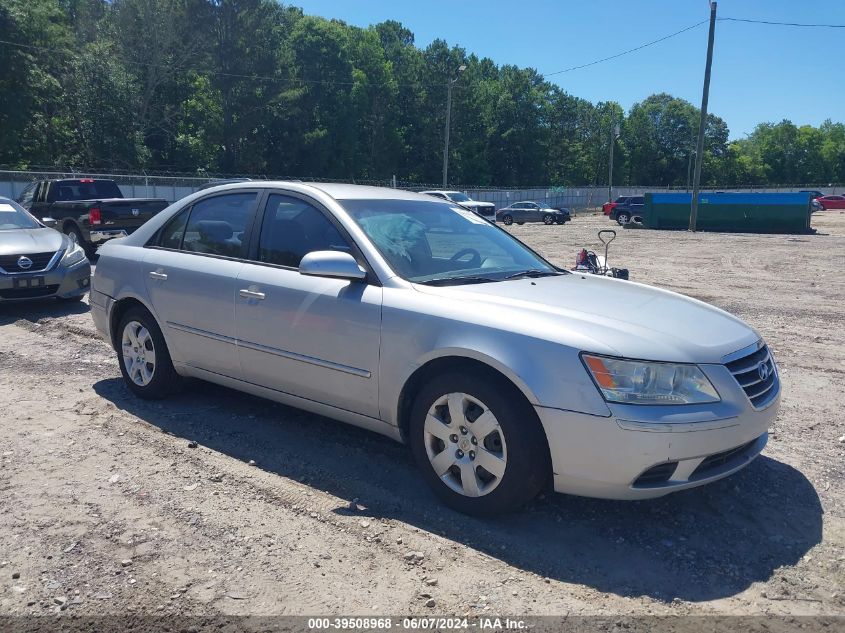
(87, 210)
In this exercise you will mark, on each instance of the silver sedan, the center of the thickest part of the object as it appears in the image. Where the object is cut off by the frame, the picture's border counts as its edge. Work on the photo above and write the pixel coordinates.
(413, 318)
(36, 261)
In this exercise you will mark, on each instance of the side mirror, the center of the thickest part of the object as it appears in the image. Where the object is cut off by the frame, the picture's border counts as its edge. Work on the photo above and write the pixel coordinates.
(50, 223)
(335, 264)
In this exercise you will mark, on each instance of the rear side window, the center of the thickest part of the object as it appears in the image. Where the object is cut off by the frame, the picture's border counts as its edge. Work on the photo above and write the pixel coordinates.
(637, 200)
(219, 225)
(292, 228)
(173, 232)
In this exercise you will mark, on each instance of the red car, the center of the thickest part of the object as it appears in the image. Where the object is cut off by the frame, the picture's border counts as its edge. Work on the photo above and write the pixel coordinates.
(832, 202)
(607, 207)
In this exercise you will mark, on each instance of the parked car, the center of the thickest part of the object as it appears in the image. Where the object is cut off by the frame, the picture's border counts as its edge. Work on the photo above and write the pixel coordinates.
(37, 261)
(522, 212)
(484, 209)
(89, 211)
(624, 211)
(832, 202)
(607, 207)
(404, 315)
(813, 193)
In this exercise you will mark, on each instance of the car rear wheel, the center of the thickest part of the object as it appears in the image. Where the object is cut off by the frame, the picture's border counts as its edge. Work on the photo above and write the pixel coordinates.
(508, 220)
(144, 358)
(478, 443)
(548, 219)
(623, 218)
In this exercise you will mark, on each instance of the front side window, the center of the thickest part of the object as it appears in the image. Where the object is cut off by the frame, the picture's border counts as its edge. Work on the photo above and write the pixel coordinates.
(434, 242)
(457, 196)
(219, 225)
(292, 228)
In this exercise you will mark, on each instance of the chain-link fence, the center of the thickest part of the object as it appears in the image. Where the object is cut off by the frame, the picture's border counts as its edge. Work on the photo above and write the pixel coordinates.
(174, 187)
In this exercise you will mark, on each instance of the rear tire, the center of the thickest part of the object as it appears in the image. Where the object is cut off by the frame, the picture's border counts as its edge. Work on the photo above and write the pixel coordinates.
(507, 220)
(497, 429)
(144, 358)
(623, 218)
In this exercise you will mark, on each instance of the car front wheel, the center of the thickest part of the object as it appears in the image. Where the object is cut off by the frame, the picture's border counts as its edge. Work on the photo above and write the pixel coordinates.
(479, 443)
(548, 219)
(143, 356)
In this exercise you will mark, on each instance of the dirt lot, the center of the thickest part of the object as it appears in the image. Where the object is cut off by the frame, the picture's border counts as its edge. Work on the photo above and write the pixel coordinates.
(106, 507)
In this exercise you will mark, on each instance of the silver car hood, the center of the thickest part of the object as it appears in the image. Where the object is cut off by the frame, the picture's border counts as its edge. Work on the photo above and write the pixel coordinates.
(28, 241)
(605, 316)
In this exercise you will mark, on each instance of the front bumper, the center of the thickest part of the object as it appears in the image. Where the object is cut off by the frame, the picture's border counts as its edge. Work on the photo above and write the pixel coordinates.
(640, 452)
(64, 282)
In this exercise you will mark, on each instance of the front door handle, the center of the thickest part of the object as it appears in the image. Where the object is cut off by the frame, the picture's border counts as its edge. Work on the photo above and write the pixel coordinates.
(159, 276)
(251, 294)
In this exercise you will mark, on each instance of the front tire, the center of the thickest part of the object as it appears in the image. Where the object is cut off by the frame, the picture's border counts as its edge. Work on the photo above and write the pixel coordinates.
(548, 219)
(143, 356)
(479, 443)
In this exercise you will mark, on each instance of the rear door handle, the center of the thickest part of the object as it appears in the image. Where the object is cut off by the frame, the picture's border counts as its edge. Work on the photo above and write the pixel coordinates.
(251, 294)
(159, 276)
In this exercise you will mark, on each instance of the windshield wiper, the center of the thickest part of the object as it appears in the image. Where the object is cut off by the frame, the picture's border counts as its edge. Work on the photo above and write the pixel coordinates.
(531, 274)
(454, 281)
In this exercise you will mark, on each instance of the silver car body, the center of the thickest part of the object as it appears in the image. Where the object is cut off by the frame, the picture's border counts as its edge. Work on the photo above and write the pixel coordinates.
(32, 267)
(348, 349)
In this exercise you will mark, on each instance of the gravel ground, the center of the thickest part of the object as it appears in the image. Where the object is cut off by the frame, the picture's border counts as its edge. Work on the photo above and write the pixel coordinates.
(215, 502)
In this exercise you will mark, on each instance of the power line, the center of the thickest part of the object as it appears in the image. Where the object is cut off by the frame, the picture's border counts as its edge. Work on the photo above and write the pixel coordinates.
(772, 23)
(630, 50)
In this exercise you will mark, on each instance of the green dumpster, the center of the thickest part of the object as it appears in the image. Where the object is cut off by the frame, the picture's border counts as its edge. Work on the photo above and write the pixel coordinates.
(736, 212)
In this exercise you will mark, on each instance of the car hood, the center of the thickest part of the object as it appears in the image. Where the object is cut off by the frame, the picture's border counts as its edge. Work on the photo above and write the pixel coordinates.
(604, 316)
(476, 203)
(28, 241)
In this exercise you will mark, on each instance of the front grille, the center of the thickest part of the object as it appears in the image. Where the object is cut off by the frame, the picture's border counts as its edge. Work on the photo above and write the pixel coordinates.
(29, 293)
(656, 475)
(718, 460)
(749, 371)
(9, 263)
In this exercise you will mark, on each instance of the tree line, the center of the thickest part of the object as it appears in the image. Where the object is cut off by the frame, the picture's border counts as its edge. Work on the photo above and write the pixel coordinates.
(257, 87)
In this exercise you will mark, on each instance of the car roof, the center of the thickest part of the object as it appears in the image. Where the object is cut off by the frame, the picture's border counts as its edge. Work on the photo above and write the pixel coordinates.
(338, 191)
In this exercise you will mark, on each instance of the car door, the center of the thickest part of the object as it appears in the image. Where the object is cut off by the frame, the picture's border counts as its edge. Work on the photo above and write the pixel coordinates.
(191, 270)
(518, 211)
(313, 337)
(532, 213)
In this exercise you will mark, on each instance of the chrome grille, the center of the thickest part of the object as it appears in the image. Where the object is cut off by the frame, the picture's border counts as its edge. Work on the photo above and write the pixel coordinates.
(757, 375)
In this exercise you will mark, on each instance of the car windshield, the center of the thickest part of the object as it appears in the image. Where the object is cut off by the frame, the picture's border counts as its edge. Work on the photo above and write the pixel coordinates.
(457, 196)
(433, 242)
(13, 217)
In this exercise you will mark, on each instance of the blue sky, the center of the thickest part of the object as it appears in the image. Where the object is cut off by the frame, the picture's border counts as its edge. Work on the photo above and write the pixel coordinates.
(760, 73)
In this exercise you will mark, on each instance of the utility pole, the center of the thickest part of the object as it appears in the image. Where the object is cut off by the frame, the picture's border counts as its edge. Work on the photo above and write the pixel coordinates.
(702, 124)
(449, 85)
(614, 134)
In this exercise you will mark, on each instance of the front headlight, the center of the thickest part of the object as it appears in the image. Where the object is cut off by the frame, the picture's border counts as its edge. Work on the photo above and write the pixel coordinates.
(639, 382)
(74, 255)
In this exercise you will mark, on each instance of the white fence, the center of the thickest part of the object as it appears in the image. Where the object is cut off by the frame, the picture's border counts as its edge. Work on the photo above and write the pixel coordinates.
(172, 188)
